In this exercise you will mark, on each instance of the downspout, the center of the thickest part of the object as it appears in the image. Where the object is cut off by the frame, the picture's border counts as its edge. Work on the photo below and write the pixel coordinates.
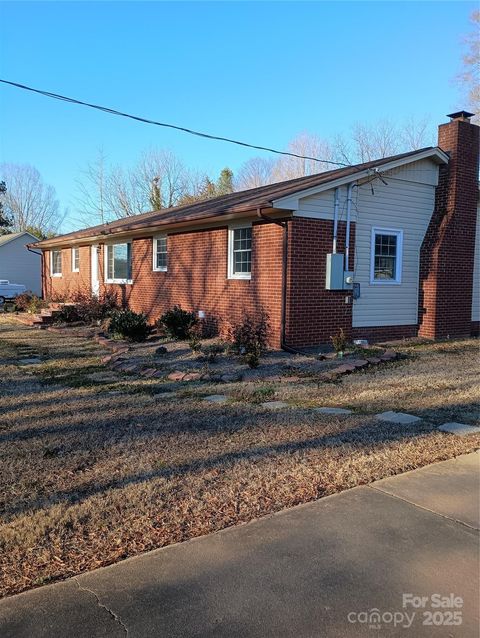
(283, 319)
(335, 219)
(351, 186)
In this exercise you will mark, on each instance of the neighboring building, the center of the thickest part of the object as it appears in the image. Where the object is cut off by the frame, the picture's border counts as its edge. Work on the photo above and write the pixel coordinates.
(18, 265)
(404, 262)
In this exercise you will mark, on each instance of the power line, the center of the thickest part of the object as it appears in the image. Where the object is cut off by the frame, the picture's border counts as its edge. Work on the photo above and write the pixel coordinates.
(106, 109)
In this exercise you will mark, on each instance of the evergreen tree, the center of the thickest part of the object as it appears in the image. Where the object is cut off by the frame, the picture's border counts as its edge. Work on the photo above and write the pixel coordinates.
(224, 184)
(5, 221)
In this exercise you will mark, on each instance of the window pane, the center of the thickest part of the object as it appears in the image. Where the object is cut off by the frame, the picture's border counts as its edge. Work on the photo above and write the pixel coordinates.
(57, 262)
(162, 253)
(120, 266)
(242, 251)
(76, 258)
(110, 262)
(385, 256)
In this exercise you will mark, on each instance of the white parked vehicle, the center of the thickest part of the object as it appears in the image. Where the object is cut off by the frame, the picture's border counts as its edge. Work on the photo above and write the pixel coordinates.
(10, 291)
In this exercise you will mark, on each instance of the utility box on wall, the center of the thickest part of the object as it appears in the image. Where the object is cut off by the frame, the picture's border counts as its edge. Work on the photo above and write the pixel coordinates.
(334, 272)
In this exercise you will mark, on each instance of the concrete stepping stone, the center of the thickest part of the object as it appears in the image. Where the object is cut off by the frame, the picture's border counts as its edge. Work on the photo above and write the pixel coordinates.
(216, 398)
(398, 417)
(164, 396)
(333, 411)
(461, 429)
(29, 361)
(274, 405)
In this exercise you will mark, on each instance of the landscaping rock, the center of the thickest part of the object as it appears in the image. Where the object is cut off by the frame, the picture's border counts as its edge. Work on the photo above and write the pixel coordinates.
(148, 372)
(333, 411)
(192, 376)
(359, 363)
(373, 360)
(398, 417)
(274, 405)
(216, 398)
(460, 429)
(176, 376)
(161, 350)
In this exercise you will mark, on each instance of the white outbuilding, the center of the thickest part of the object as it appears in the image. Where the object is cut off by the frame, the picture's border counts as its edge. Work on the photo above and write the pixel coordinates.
(18, 265)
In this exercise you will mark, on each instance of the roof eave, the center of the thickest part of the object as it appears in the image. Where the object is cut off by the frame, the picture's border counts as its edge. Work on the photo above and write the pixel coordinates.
(139, 229)
(291, 201)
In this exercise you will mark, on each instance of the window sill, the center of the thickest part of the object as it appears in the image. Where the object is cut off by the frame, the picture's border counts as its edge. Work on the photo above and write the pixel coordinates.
(387, 282)
(56, 274)
(76, 270)
(119, 281)
(244, 277)
(160, 269)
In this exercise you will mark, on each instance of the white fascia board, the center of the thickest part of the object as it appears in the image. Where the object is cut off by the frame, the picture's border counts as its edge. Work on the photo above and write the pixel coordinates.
(291, 202)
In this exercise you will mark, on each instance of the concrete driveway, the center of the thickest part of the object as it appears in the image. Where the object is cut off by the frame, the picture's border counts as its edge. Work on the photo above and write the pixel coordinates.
(396, 558)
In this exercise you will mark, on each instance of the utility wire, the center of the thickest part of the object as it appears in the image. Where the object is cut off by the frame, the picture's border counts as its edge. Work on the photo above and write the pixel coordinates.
(106, 109)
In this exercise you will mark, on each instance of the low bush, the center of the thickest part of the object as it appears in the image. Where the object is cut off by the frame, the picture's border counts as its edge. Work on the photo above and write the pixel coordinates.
(249, 338)
(339, 340)
(212, 351)
(178, 323)
(36, 304)
(22, 301)
(67, 314)
(94, 309)
(126, 324)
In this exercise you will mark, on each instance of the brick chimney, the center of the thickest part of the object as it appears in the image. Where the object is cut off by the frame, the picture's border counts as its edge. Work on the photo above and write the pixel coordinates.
(447, 253)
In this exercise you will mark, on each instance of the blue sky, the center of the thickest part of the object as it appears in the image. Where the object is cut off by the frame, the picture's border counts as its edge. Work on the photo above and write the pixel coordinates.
(260, 72)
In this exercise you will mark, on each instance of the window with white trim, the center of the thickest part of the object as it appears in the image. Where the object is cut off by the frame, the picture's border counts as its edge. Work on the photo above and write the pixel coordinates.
(75, 259)
(56, 263)
(386, 256)
(118, 263)
(240, 252)
(160, 253)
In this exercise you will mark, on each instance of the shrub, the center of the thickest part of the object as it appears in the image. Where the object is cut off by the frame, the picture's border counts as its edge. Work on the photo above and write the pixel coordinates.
(94, 309)
(22, 301)
(250, 338)
(177, 322)
(129, 325)
(36, 304)
(67, 314)
(212, 351)
(339, 340)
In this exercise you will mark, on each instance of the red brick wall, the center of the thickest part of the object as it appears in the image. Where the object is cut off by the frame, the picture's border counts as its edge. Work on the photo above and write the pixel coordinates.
(447, 254)
(197, 277)
(70, 282)
(314, 313)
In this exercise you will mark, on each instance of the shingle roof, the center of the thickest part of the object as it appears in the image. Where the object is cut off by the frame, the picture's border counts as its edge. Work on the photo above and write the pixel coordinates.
(226, 204)
(4, 239)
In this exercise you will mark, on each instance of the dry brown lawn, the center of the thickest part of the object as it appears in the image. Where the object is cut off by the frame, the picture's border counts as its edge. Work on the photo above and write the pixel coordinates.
(95, 468)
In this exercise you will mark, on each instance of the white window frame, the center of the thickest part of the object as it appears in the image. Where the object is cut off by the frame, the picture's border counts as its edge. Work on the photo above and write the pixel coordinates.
(56, 274)
(399, 257)
(231, 274)
(105, 258)
(75, 249)
(155, 244)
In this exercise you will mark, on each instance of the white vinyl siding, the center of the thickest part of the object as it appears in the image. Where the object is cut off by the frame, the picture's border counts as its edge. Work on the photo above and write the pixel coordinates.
(76, 259)
(56, 263)
(118, 266)
(404, 203)
(160, 254)
(476, 273)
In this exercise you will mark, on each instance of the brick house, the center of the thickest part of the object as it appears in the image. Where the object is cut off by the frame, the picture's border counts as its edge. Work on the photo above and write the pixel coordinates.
(384, 249)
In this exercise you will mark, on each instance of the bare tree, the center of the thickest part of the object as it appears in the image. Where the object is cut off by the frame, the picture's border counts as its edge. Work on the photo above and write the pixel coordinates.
(469, 78)
(92, 187)
(254, 172)
(27, 200)
(307, 145)
(164, 171)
